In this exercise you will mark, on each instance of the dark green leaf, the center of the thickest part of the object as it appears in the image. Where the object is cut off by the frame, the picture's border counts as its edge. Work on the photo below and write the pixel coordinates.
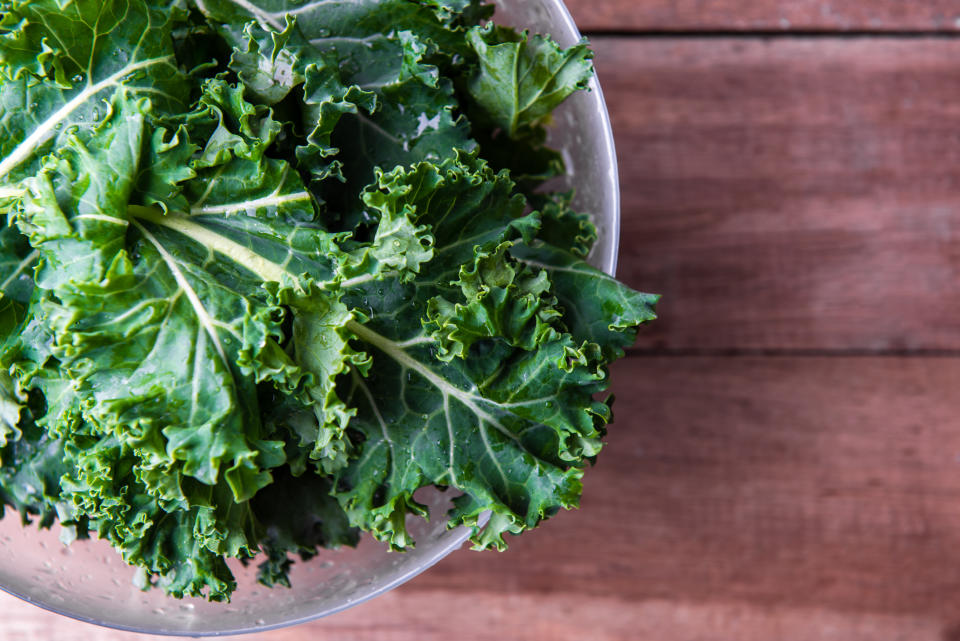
(90, 52)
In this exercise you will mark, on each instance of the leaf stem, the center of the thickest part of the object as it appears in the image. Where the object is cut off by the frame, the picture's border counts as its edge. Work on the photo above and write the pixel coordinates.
(265, 269)
(48, 127)
(270, 271)
(11, 192)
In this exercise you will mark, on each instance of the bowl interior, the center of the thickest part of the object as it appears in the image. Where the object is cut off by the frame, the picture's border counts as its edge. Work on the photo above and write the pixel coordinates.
(88, 580)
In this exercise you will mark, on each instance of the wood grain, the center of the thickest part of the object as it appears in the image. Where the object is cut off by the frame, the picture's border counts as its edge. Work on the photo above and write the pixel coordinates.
(766, 15)
(739, 498)
(790, 194)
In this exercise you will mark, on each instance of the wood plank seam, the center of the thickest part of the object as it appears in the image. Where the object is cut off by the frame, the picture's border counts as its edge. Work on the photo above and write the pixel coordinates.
(771, 33)
(735, 352)
(792, 194)
(772, 15)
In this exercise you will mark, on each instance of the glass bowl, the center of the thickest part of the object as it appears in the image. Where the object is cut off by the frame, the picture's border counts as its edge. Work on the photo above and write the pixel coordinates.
(88, 580)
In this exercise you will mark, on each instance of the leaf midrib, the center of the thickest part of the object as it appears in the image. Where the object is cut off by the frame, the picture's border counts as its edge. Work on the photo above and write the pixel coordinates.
(46, 129)
(271, 272)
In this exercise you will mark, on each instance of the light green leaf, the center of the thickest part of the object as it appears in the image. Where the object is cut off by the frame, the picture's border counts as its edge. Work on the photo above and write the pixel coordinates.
(11, 404)
(563, 227)
(266, 65)
(598, 308)
(521, 79)
(326, 101)
(503, 300)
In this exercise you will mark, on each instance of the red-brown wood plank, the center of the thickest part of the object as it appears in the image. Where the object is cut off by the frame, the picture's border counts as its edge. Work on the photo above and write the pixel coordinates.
(739, 498)
(766, 15)
(790, 194)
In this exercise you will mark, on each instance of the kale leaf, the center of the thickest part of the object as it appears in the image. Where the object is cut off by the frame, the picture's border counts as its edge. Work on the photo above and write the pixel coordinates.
(271, 267)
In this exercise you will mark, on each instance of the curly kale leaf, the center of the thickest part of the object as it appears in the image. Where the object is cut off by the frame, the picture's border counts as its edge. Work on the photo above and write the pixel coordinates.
(61, 62)
(271, 267)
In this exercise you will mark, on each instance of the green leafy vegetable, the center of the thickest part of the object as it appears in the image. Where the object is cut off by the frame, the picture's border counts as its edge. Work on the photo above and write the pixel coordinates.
(269, 268)
(63, 64)
(520, 80)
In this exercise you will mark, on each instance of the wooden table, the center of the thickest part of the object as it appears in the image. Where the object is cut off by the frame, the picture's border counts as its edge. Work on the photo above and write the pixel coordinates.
(786, 460)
